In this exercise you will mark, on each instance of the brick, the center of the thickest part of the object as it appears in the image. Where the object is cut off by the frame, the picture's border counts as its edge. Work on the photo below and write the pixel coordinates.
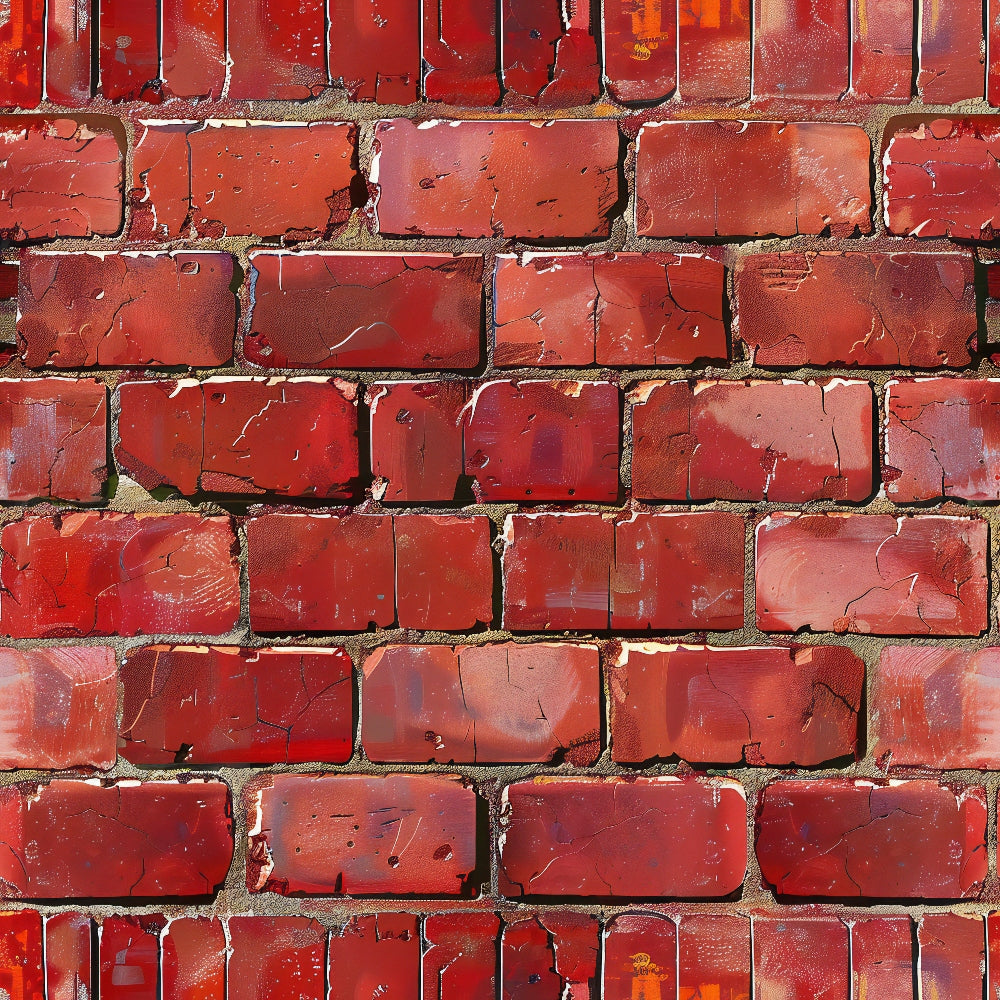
(77, 310)
(354, 834)
(882, 957)
(767, 706)
(193, 957)
(939, 436)
(460, 52)
(640, 956)
(21, 39)
(993, 51)
(68, 72)
(288, 436)
(618, 837)
(60, 178)
(129, 839)
(416, 439)
(551, 955)
(786, 441)
(894, 309)
(272, 958)
(502, 702)
(460, 956)
(225, 705)
(193, 48)
(53, 439)
(89, 573)
(374, 50)
(759, 184)
(537, 441)
(21, 972)
(952, 954)
(299, 187)
(496, 178)
(129, 957)
(364, 310)
(277, 49)
(882, 51)
(992, 951)
(59, 707)
(714, 50)
(838, 838)
(552, 310)
(801, 958)
(713, 953)
(640, 51)
(871, 574)
(952, 52)
(376, 956)
(129, 50)
(68, 962)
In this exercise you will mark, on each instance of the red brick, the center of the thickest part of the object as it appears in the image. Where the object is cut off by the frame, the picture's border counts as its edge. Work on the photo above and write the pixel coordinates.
(129, 839)
(640, 956)
(129, 53)
(766, 178)
(714, 50)
(274, 958)
(61, 178)
(376, 956)
(882, 53)
(872, 574)
(769, 706)
(538, 441)
(277, 49)
(993, 951)
(952, 954)
(460, 956)
(21, 38)
(557, 309)
(952, 52)
(993, 51)
(130, 957)
(194, 48)
(68, 71)
(374, 50)
(550, 956)
(713, 953)
(193, 955)
(21, 974)
(59, 707)
(640, 51)
(225, 705)
(619, 837)
(289, 436)
(893, 309)
(496, 178)
(53, 439)
(89, 573)
(882, 957)
(298, 188)
(416, 439)
(460, 52)
(482, 704)
(801, 958)
(355, 834)
(789, 442)
(77, 310)
(364, 310)
(835, 837)
(68, 944)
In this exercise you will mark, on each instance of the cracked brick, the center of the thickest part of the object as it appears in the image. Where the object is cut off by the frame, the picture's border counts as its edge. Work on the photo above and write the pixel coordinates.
(274, 958)
(551, 956)
(460, 52)
(377, 955)
(129, 50)
(460, 956)
(193, 958)
(374, 50)
(129, 957)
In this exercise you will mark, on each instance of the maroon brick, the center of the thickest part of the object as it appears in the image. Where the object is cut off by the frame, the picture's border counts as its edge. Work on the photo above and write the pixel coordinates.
(129, 957)
(496, 178)
(894, 309)
(364, 310)
(789, 442)
(801, 958)
(836, 837)
(993, 951)
(476, 704)
(225, 705)
(640, 51)
(77, 310)
(460, 52)
(952, 52)
(193, 959)
(53, 439)
(993, 51)
(768, 706)
(21, 54)
(129, 52)
(714, 51)
(640, 956)
(354, 834)
(551, 955)
(713, 952)
(766, 178)
(616, 837)
(21, 972)
(89, 573)
(68, 71)
(882, 52)
(273, 958)
(871, 574)
(376, 956)
(539, 441)
(952, 954)
(460, 956)
(374, 50)
(68, 944)
(882, 957)
(193, 36)
(129, 839)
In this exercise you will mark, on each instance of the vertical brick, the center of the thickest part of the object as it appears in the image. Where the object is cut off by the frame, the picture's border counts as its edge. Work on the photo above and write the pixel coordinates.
(129, 50)
(550, 956)
(460, 956)
(130, 957)
(952, 954)
(21, 37)
(801, 958)
(375, 956)
(460, 52)
(713, 38)
(21, 973)
(640, 956)
(194, 48)
(274, 958)
(67, 52)
(713, 956)
(882, 960)
(882, 64)
(69, 939)
(952, 51)
(640, 51)
(193, 951)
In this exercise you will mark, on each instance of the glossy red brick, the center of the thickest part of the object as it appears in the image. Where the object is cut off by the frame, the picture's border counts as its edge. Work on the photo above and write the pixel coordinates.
(53, 439)
(557, 309)
(767, 706)
(617, 837)
(640, 50)
(460, 956)
(952, 52)
(416, 439)
(882, 957)
(77, 310)
(68, 70)
(193, 956)
(21, 973)
(835, 837)
(129, 839)
(355, 834)
(993, 951)
(873, 573)
(21, 36)
(505, 702)
(364, 310)
(274, 958)
(882, 52)
(640, 956)
(129, 52)
(194, 48)
(298, 188)
(893, 309)
(952, 954)
(495, 178)
(801, 958)
(129, 957)
(290, 436)
(277, 49)
(68, 943)
(376, 956)
(539, 441)
(713, 954)
(678, 572)
(225, 705)
(59, 707)
(786, 441)
(89, 573)
(993, 51)
(460, 52)
(714, 50)
(551, 956)
(767, 178)
(374, 50)
(61, 178)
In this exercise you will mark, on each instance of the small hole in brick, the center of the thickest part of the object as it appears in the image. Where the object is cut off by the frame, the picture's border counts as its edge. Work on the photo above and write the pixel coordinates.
(393, 861)
(190, 267)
